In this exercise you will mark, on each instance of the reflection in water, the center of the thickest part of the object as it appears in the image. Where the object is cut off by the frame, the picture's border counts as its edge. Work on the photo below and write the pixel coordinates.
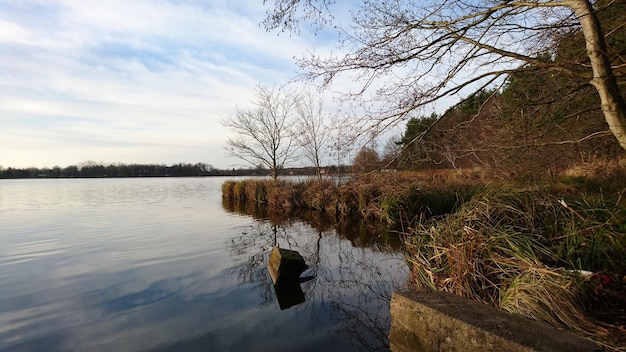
(354, 276)
(360, 233)
(157, 264)
(289, 294)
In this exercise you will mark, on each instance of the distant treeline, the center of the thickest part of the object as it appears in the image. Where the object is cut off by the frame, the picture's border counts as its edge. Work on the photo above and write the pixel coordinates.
(91, 169)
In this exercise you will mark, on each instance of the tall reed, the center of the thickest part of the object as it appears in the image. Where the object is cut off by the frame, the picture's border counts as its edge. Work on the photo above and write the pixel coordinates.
(521, 250)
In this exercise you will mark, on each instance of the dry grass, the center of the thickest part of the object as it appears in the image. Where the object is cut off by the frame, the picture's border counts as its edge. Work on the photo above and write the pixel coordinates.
(521, 250)
(391, 198)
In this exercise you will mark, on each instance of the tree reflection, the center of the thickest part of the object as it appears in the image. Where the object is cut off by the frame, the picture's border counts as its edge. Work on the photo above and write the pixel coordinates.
(289, 294)
(354, 275)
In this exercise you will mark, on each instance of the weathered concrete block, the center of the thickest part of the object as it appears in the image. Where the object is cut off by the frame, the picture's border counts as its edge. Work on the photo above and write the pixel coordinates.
(438, 321)
(285, 265)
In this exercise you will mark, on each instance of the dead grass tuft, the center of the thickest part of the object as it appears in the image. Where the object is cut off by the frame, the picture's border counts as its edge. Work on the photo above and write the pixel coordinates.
(520, 250)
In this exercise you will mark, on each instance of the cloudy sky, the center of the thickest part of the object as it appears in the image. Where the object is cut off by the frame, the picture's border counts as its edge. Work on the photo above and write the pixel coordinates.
(140, 81)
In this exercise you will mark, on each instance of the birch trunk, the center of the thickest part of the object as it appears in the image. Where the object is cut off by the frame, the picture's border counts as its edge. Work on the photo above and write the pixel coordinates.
(613, 105)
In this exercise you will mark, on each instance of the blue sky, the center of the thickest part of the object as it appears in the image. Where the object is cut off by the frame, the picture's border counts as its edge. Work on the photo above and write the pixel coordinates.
(140, 81)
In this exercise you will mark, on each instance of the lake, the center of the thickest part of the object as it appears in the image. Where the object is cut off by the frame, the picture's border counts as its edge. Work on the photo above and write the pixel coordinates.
(160, 264)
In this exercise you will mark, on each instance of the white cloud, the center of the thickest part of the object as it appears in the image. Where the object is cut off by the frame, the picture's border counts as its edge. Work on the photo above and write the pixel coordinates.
(131, 81)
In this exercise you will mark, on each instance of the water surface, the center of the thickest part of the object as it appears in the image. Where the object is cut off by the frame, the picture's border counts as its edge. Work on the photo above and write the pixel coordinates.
(158, 264)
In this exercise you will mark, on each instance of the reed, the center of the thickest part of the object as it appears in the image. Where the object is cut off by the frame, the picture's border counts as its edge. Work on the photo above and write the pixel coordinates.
(388, 199)
(521, 250)
(321, 196)
(227, 189)
(518, 247)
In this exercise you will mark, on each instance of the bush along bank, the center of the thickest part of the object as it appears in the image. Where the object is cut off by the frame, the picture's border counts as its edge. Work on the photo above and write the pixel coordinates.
(554, 252)
(390, 200)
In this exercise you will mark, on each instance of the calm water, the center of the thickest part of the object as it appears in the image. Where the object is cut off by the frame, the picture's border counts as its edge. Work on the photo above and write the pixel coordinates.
(159, 264)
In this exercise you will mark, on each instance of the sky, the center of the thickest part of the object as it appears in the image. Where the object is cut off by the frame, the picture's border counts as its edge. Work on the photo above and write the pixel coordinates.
(140, 81)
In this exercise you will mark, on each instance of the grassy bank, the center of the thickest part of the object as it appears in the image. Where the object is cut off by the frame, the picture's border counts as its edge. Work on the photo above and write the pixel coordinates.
(552, 251)
(389, 199)
(545, 253)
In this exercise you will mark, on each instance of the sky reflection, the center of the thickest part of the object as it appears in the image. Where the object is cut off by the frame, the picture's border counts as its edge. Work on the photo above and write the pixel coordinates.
(168, 269)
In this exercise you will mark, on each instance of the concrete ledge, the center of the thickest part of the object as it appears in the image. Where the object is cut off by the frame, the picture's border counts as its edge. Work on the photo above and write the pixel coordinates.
(438, 321)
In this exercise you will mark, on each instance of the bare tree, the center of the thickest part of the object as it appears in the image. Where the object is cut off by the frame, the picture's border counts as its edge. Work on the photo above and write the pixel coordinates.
(313, 135)
(366, 160)
(340, 147)
(390, 153)
(410, 54)
(265, 131)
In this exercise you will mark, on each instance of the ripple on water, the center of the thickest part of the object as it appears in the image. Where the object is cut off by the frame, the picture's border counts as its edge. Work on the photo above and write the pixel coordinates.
(157, 264)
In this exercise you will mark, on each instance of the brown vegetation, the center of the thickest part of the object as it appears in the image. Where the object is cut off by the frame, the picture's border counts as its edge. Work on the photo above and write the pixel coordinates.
(390, 198)
(551, 251)
(537, 251)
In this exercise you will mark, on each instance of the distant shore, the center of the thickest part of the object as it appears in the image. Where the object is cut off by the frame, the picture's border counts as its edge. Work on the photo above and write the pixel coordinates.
(95, 170)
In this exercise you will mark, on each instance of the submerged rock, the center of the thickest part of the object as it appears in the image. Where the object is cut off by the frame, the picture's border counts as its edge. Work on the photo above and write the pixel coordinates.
(285, 266)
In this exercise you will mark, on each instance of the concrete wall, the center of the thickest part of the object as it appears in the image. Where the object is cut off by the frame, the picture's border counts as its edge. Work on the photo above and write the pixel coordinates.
(438, 321)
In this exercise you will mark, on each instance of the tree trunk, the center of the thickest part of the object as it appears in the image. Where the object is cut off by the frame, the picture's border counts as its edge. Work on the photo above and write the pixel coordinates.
(613, 105)
(274, 168)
